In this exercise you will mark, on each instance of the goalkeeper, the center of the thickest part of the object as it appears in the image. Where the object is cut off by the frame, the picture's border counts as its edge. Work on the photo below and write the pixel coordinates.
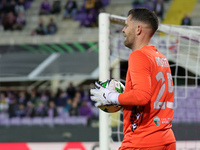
(148, 99)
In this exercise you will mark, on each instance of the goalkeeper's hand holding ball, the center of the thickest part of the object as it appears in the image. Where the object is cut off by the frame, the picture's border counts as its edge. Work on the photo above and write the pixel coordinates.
(107, 93)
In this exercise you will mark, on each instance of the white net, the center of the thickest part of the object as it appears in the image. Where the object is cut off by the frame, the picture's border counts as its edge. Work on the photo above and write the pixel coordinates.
(181, 46)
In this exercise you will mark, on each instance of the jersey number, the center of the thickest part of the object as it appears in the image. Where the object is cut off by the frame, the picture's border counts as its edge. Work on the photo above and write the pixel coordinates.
(157, 103)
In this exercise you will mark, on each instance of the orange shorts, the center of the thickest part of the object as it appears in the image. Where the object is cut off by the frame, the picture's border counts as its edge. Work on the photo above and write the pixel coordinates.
(171, 146)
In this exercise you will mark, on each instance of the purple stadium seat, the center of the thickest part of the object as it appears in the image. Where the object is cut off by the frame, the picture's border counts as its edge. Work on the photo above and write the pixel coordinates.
(59, 120)
(81, 120)
(26, 121)
(48, 121)
(66, 115)
(71, 120)
(15, 121)
(5, 121)
(37, 121)
(3, 116)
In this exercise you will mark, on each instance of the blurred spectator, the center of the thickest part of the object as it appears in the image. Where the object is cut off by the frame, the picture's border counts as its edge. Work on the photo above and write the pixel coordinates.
(9, 21)
(20, 112)
(137, 2)
(159, 9)
(22, 98)
(71, 90)
(28, 4)
(89, 5)
(41, 110)
(74, 109)
(10, 97)
(44, 98)
(99, 6)
(20, 22)
(11, 7)
(13, 107)
(82, 92)
(58, 93)
(78, 95)
(51, 27)
(40, 29)
(55, 9)
(91, 19)
(186, 20)
(52, 110)
(3, 103)
(68, 105)
(85, 109)
(2, 18)
(39, 104)
(4, 7)
(20, 7)
(45, 7)
(61, 99)
(29, 111)
(33, 98)
(70, 9)
(77, 100)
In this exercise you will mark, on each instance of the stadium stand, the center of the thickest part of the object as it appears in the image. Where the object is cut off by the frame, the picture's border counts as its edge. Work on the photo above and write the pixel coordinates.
(195, 16)
(178, 11)
(68, 30)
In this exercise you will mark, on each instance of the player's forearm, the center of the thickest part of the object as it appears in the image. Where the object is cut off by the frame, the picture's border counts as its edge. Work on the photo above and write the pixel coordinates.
(134, 98)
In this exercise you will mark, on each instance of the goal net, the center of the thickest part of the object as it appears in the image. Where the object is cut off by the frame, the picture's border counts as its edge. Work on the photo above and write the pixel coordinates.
(181, 46)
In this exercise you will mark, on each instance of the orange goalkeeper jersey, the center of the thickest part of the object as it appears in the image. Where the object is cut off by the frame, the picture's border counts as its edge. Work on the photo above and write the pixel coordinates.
(148, 100)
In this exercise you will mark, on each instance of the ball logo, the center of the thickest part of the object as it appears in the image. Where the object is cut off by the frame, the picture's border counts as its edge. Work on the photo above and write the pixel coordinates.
(120, 89)
(156, 120)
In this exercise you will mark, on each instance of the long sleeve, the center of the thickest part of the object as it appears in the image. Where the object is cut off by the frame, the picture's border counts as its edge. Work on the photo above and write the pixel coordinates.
(138, 81)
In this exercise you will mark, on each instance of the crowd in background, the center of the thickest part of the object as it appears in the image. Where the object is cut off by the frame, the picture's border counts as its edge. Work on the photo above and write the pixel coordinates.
(74, 101)
(45, 29)
(13, 13)
(159, 8)
(156, 5)
(87, 14)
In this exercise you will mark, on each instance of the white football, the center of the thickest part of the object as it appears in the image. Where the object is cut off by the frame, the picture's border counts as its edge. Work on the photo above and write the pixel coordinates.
(115, 86)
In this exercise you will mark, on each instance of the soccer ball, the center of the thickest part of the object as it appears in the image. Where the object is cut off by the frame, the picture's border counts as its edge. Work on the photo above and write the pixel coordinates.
(115, 86)
(110, 108)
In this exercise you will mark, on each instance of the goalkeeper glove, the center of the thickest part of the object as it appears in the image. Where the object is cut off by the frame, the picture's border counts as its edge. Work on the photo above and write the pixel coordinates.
(103, 95)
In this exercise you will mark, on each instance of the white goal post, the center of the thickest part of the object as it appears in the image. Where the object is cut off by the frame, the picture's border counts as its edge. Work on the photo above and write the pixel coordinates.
(104, 75)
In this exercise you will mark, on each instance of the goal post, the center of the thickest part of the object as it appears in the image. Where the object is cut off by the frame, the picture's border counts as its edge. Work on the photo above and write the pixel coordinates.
(104, 74)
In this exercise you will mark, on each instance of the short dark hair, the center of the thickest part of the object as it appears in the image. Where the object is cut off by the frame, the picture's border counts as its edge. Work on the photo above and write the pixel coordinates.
(145, 15)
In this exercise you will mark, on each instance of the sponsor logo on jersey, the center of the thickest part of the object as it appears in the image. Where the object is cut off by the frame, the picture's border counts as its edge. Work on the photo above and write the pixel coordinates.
(166, 120)
(156, 120)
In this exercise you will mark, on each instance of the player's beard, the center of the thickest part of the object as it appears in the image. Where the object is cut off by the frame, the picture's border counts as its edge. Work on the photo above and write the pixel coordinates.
(128, 43)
